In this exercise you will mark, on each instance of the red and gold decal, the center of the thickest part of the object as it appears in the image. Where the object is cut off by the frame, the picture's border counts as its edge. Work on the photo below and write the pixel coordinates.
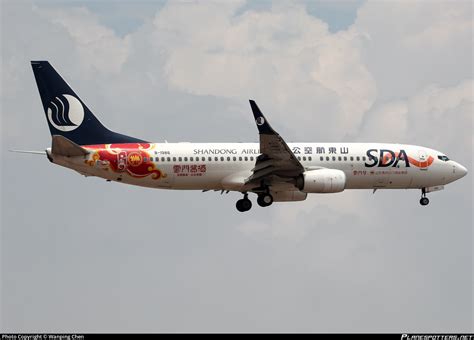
(135, 159)
(132, 158)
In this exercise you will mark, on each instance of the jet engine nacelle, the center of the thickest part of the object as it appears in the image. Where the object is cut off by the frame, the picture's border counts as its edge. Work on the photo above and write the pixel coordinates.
(322, 181)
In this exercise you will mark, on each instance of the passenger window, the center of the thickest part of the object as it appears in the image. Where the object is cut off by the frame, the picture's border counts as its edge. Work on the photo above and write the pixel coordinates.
(228, 159)
(235, 158)
(174, 159)
(352, 158)
(203, 158)
(145, 159)
(321, 158)
(327, 158)
(339, 158)
(180, 159)
(216, 158)
(185, 159)
(162, 159)
(168, 159)
(309, 158)
(246, 158)
(358, 158)
(251, 158)
(363, 158)
(333, 158)
(240, 159)
(345, 158)
(299, 158)
(209, 159)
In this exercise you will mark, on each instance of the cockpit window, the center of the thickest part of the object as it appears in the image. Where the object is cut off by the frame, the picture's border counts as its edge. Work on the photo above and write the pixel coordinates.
(443, 158)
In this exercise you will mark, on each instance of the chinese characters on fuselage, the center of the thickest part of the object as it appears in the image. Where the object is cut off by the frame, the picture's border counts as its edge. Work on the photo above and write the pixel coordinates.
(189, 169)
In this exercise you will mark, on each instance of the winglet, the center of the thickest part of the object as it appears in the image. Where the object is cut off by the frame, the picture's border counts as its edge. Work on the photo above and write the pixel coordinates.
(262, 123)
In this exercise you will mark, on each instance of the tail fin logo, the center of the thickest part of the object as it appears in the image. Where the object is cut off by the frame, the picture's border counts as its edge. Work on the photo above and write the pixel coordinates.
(65, 113)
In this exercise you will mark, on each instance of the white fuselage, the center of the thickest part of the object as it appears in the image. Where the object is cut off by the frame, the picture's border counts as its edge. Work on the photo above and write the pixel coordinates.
(226, 166)
(279, 172)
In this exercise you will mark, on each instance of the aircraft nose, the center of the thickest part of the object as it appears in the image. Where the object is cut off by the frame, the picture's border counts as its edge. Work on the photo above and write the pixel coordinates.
(460, 170)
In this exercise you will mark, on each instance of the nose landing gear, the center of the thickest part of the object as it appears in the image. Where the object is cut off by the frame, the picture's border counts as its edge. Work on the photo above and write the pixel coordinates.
(424, 200)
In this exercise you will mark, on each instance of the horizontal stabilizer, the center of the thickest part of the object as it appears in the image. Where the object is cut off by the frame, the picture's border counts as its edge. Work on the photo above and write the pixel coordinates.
(33, 152)
(65, 147)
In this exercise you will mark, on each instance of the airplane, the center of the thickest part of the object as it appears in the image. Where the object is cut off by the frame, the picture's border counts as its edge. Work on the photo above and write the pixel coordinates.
(272, 169)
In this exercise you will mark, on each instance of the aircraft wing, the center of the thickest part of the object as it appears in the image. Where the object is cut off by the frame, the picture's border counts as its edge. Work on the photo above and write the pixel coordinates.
(276, 161)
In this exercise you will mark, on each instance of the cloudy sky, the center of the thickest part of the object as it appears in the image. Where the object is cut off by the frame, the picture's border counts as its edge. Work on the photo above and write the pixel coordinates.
(81, 254)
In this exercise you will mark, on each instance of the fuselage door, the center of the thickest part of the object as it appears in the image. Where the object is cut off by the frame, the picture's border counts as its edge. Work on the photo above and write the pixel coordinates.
(423, 157)
(122, 161)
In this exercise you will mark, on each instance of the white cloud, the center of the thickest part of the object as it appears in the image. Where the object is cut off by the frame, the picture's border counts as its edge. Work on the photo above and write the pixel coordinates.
(294, 222)
(284, 58)
(387, 123)
(97, 45)
(411, 45)
(436, 111)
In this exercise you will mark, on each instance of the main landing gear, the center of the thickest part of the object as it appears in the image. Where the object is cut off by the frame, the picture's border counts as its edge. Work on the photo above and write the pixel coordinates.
(244, 204)
(263, 200)
(424, 200)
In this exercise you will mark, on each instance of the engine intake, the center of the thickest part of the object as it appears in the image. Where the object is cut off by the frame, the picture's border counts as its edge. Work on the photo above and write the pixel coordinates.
(322, 181)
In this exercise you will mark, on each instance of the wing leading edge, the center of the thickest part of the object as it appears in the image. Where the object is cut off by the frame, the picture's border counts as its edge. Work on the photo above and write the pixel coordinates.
(276, 161)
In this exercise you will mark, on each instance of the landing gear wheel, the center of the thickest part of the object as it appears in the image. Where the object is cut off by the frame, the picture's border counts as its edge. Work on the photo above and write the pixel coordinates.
(264, 200)
(243, 205)
(424, 201)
